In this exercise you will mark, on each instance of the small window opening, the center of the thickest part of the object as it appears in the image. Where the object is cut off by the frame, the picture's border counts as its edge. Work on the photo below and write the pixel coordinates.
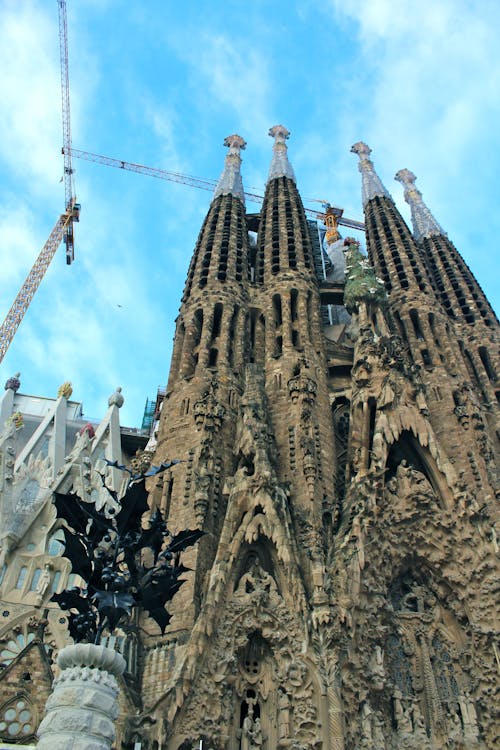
(416, 324)
(212, 357)
(293, 304)
(216, 325)
(278, 318)
(426, 357)
(485, 359)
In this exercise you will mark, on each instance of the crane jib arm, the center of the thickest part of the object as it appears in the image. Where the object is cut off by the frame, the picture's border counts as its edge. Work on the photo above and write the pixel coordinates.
(35, 276)
(198, 182)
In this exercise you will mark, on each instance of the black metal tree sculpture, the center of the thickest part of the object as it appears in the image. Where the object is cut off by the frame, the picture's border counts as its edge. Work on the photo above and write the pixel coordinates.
(123, 564)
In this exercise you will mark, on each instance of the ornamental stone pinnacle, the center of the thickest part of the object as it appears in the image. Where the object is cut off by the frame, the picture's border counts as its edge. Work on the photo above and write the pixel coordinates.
(230, 182)
(13, 383)
(371, 182)
(65, 390)
(280, 166)
(424, 223)
(116, 398)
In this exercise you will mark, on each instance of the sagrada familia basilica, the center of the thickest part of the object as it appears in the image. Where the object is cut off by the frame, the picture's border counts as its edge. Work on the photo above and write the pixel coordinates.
(336, 415)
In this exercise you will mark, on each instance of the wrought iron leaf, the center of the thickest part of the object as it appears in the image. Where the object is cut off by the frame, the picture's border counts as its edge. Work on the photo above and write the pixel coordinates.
(184, 539)
(113, 606)
(77, 551)
(134, 504)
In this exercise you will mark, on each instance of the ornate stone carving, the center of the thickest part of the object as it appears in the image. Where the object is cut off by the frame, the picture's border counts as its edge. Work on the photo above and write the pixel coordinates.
(207, 411)
(65, 390)
(81, 711)
(13, 383)
(116, 398)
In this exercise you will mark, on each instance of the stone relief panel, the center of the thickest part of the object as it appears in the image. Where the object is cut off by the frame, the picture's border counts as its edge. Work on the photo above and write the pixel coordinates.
(256, 688)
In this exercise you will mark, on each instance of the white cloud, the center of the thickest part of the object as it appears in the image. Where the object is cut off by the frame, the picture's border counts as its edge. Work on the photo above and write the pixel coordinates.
(30, 126)
(235, 77)
(18, 243)
(434, 79)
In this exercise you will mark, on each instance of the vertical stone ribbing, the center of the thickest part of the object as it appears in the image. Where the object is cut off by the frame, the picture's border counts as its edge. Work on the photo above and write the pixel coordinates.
(392, 249)
(284, 242)
(295, 359)
(198, 421)
(400, 263)
(460, 294)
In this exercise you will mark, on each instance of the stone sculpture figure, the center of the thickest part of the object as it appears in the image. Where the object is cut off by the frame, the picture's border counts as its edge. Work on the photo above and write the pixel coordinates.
(284, 714)
(378, 732)
(366, 725)
(469, 718)
(251, 731)
(43, 582)
(377, 668)
(402, 715)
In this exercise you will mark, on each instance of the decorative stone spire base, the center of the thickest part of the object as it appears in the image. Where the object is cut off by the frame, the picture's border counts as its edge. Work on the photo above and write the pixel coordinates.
(81, 712)
(424, 223)
(230, 182)
(280, 166)
(371, 182)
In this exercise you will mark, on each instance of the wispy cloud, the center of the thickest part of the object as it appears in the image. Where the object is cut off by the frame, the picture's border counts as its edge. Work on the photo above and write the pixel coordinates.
(236, 79)
(30, 125)
(426, 62)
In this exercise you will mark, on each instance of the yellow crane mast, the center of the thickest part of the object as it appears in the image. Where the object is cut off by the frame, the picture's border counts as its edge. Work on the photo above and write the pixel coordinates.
(63, 229)
(35, 276)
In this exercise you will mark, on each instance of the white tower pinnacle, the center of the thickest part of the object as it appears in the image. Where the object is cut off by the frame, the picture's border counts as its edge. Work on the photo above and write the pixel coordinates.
(280, 166)
(371, 182)
(424, 223)
(230, 182)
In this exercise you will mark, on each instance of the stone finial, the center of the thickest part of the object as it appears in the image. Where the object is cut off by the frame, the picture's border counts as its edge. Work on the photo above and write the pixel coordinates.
(65, 390)
(362, 149)
(372, 184)
(116, 398)
(424, 223)
(280, 166)
(17, 419)
(230, 182)
(13, 383)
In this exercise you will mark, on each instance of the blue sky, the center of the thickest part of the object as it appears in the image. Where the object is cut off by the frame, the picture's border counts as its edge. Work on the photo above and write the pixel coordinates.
(162, 83)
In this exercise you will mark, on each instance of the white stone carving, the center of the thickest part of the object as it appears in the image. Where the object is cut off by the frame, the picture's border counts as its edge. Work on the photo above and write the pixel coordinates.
(230, 182)
(280, 166)
(424, 223)
(82, 709)
(371, 182)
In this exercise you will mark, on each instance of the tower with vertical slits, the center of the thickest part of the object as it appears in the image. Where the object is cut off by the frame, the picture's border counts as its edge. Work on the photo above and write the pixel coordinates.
(341, 460)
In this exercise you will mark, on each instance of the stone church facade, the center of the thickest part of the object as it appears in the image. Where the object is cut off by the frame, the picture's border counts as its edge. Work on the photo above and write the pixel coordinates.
(337, 419)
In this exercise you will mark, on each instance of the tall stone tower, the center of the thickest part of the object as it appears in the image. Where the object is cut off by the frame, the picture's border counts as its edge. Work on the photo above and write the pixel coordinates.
(338, 435)
(336, 415)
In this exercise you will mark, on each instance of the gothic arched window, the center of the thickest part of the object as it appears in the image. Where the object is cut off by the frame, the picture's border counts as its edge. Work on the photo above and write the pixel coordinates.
(17, 719)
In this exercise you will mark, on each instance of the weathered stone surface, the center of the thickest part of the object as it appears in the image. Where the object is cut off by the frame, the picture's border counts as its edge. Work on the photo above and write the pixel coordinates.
(83, 705)
(344, 469)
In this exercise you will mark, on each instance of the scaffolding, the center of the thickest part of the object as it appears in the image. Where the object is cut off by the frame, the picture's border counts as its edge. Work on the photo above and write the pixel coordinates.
(148, 416)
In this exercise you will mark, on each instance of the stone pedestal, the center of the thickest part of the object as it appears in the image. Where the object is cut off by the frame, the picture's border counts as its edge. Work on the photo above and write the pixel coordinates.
(81, 712)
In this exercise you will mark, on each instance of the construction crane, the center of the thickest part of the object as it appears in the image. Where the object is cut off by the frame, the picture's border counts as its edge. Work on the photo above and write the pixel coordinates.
(200, 182)
(63, 229)
(69, 188)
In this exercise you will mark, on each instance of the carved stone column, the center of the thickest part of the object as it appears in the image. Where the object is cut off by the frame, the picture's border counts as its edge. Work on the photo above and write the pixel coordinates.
(82, 709)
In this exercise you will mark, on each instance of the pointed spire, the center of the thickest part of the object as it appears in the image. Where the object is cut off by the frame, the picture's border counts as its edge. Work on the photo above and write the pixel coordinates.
(280, 166)
(424, 223)
(372, 184)
(230, 182)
